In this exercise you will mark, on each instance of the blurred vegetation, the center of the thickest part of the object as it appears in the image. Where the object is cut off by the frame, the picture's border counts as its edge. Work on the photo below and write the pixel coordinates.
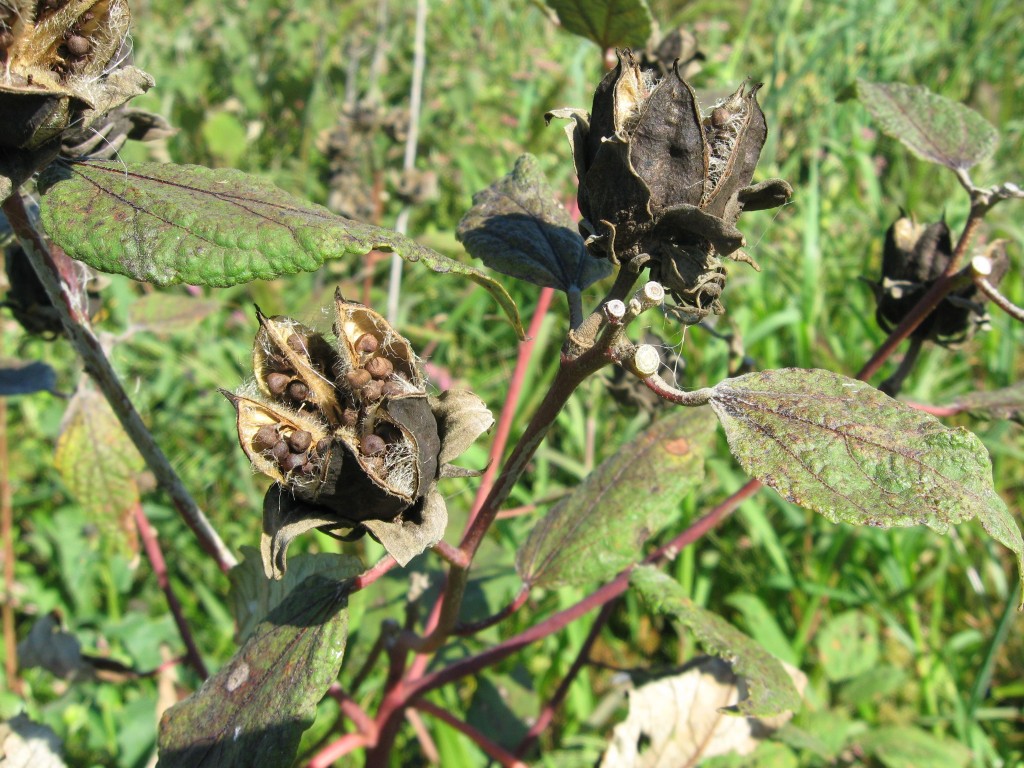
(260, 85)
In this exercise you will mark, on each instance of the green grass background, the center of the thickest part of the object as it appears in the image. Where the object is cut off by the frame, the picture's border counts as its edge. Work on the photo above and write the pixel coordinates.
(926, 626)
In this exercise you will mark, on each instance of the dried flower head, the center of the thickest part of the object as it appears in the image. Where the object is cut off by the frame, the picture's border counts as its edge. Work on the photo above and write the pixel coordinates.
(663, 183)
(914, 257)
(61, 67)
(350, 435)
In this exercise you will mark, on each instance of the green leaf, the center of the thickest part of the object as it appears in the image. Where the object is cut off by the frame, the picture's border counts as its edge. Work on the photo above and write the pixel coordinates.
(518, 228)
(848, 645)
(225, 137)
(253, 595)
(609, 23)
(161, 313)
(842, 448)
(169, 224)
(933, 127)
(99, 465)
(770, 688)
(600, 529)
(261, 701)
(908, 747)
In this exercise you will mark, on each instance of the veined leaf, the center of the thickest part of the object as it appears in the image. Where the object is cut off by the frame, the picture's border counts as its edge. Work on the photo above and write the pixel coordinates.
(253, 595)
(261, 701)
(842, 448)
(99, 465)
(609, 23)
(518, 228)
(600, 529)
(933, 127)
(769, 686)
(169, 224)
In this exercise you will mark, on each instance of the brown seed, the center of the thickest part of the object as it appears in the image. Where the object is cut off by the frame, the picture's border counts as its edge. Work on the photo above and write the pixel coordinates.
(380, 367)
(372, 391)
(323, 446)
(292, 462)
(297, 391)
(280, 451)
(307, 468)
(392, 388)
(720, 116)
(266, 437)
(78, 45)
(367, 343)
(372, 445)
(349, 417)
(6, 39)
(299, 441)
(277, 383)
(358, 378)
(298, 342)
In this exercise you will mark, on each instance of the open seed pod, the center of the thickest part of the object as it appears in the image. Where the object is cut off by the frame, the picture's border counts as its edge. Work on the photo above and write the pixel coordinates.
(367, 342)
(294, 365)
(60, 65)
(283, 443)
(363, 448)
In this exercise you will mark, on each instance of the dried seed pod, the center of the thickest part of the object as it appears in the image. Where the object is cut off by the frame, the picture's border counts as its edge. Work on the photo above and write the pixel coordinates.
(55, 72)
(300, 440)
(354, 322)
(313, 363)
(277, 383)
(379, 367)
(258, 421)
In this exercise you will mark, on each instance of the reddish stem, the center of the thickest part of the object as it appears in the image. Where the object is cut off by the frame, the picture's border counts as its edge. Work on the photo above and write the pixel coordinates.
(558, 621)
(367, 577)
(471, 628)
(508, 410)
(547, 714)
(156, 559)
(494, 751)
(338, 748)
(348, 706)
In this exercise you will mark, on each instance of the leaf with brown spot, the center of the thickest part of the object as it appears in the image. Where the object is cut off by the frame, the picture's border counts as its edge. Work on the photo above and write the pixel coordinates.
(600, 529)
(261, 701)
(842, 448)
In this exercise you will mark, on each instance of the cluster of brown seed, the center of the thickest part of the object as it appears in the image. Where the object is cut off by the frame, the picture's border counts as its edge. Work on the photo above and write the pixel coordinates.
(292, 453)
(319, 402)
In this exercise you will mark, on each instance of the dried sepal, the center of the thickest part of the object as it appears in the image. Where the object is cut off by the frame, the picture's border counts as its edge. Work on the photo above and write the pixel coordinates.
(462, 417)
(295, 365)
(662, 183)
(55, 60)
(417, 529)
